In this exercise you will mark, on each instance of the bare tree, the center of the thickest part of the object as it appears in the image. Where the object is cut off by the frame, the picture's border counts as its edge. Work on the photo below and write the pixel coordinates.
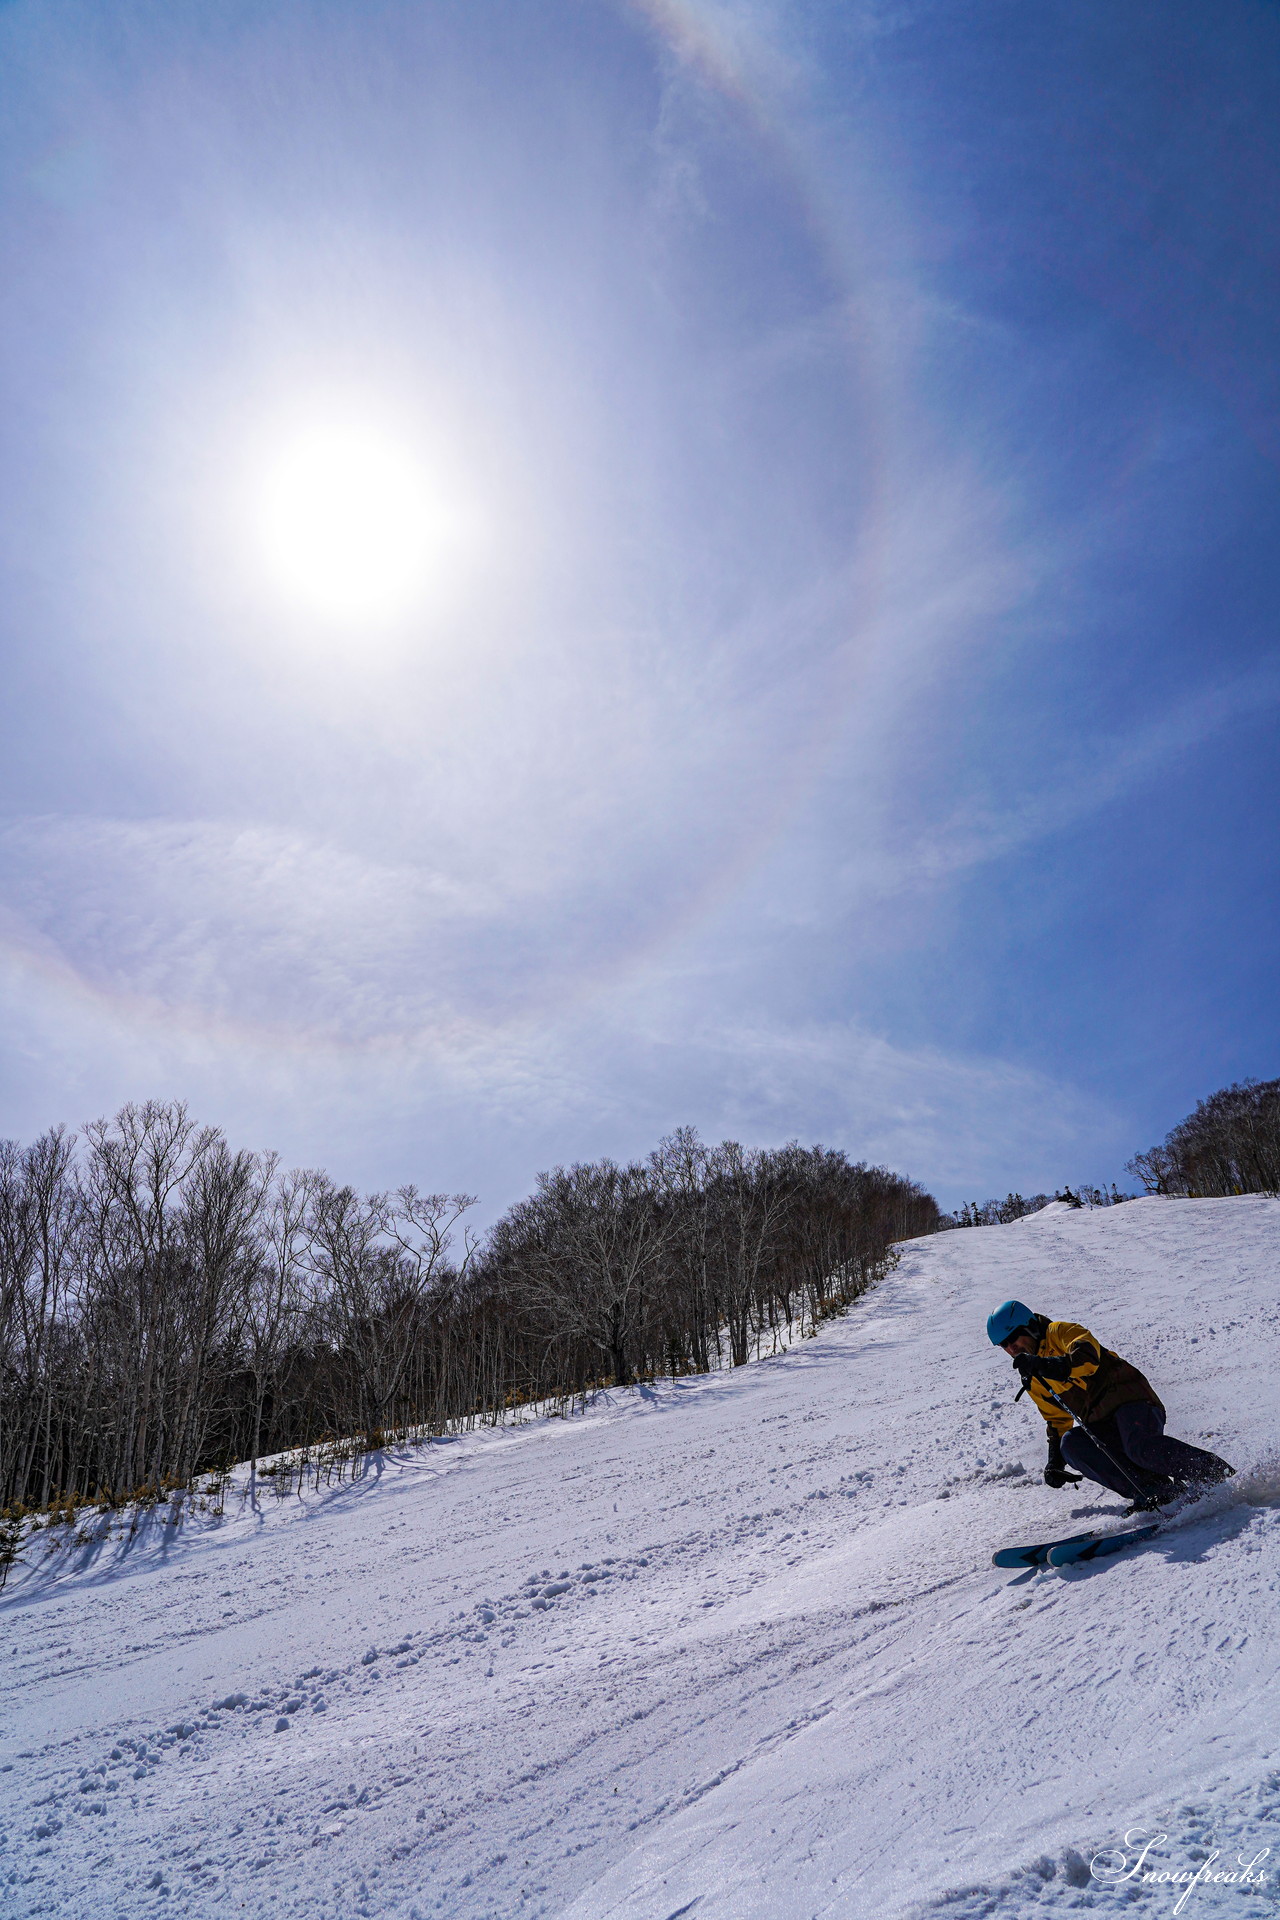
(1229, 1145)
(583, 1256)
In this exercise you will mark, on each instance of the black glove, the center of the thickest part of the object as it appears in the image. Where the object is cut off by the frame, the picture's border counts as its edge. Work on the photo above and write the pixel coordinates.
(1029, 1365)
(1055, 1473)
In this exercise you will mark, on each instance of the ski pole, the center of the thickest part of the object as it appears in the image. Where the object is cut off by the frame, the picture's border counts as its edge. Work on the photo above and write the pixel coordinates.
(1103, 1449)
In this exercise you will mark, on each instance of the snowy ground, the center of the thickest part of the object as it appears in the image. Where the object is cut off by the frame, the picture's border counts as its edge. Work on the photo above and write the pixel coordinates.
(730, 1648)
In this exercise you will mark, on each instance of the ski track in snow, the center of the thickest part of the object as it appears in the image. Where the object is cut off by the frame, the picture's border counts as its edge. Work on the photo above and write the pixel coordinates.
(729, 1647)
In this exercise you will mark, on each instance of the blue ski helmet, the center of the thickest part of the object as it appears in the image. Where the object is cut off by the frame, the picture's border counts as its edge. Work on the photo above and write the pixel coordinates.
(1009, 1319)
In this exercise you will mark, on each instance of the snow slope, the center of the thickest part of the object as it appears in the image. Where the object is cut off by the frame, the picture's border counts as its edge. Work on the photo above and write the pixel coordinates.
(730, 1647)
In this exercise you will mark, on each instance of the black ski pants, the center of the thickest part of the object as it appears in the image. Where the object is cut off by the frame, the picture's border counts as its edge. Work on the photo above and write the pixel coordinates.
(1135, 1435)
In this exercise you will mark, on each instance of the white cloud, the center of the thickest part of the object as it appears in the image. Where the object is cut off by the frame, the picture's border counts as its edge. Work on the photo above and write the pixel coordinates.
(483, 1105)
(243, 924)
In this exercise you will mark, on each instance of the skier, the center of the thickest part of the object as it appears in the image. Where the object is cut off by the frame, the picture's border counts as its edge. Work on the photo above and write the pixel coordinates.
(1119, 1437)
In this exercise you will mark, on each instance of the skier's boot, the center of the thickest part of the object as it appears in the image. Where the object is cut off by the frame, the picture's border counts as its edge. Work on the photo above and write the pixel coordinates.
(1211, 1476)
(1160, 1490)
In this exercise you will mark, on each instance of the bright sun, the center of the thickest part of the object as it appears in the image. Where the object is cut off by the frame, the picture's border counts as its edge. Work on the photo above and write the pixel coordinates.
(348, 523)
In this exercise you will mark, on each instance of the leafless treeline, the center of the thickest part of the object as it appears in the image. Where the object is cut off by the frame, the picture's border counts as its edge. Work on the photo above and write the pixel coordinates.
(168, 1303)
(1230, 1144)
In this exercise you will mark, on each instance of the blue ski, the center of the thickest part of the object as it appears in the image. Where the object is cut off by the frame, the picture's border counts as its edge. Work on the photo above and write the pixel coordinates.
(1067, 1552)
(1038, 1555)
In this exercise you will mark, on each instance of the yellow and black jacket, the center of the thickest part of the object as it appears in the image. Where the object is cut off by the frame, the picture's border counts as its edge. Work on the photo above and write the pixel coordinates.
(1100, 1380)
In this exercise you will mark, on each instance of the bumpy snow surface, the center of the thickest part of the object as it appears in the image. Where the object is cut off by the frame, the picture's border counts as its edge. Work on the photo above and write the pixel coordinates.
(730, 1647)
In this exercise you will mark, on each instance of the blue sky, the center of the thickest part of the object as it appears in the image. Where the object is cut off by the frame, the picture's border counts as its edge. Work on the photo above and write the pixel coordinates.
(832, 689)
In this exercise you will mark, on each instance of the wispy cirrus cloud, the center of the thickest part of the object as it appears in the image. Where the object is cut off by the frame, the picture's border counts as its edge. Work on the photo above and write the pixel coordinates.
(482, 1104)
(248, 924)
(1099, 773)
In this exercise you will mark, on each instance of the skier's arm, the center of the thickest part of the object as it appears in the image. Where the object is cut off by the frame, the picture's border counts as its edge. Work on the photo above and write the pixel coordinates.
(1074, 1368)
(1080, 1361)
